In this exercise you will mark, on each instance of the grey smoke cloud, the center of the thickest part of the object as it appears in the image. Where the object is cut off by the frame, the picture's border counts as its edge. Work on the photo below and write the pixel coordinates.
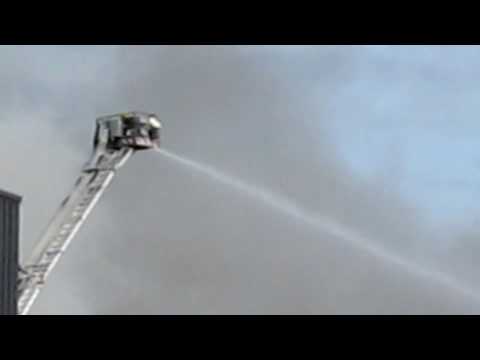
(167, 240)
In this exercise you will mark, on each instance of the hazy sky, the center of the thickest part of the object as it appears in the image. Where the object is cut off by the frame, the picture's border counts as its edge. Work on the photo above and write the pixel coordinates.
(380, 139)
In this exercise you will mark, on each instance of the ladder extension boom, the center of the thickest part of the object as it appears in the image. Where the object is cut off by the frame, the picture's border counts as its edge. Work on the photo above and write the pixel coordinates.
(117, 137)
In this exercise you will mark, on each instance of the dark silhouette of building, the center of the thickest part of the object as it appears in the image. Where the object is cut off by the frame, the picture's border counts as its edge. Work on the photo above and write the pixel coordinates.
(9, 237)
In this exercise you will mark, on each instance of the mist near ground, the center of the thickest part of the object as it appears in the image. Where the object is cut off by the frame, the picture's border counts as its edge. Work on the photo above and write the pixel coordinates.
(378, 138)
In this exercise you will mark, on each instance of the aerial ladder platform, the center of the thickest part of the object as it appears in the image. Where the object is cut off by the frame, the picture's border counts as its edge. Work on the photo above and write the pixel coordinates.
(117, 138)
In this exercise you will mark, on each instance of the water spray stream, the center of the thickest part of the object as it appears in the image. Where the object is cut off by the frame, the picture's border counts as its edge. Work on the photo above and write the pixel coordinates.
(325, 224)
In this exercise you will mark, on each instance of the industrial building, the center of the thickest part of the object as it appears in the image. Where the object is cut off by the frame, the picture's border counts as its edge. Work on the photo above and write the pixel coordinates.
(9, 243)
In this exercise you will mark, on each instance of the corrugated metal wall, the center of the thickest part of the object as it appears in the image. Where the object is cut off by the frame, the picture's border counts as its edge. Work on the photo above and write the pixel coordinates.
(9, 233)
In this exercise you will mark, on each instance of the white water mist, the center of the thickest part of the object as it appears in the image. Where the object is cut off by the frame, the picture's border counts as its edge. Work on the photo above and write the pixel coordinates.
(325, 224)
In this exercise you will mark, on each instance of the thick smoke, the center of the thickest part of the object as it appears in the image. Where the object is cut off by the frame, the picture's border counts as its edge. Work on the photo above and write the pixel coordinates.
(165, 240)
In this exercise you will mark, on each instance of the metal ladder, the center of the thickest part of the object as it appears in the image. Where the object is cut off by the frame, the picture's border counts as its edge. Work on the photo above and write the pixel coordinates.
(74, 210)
